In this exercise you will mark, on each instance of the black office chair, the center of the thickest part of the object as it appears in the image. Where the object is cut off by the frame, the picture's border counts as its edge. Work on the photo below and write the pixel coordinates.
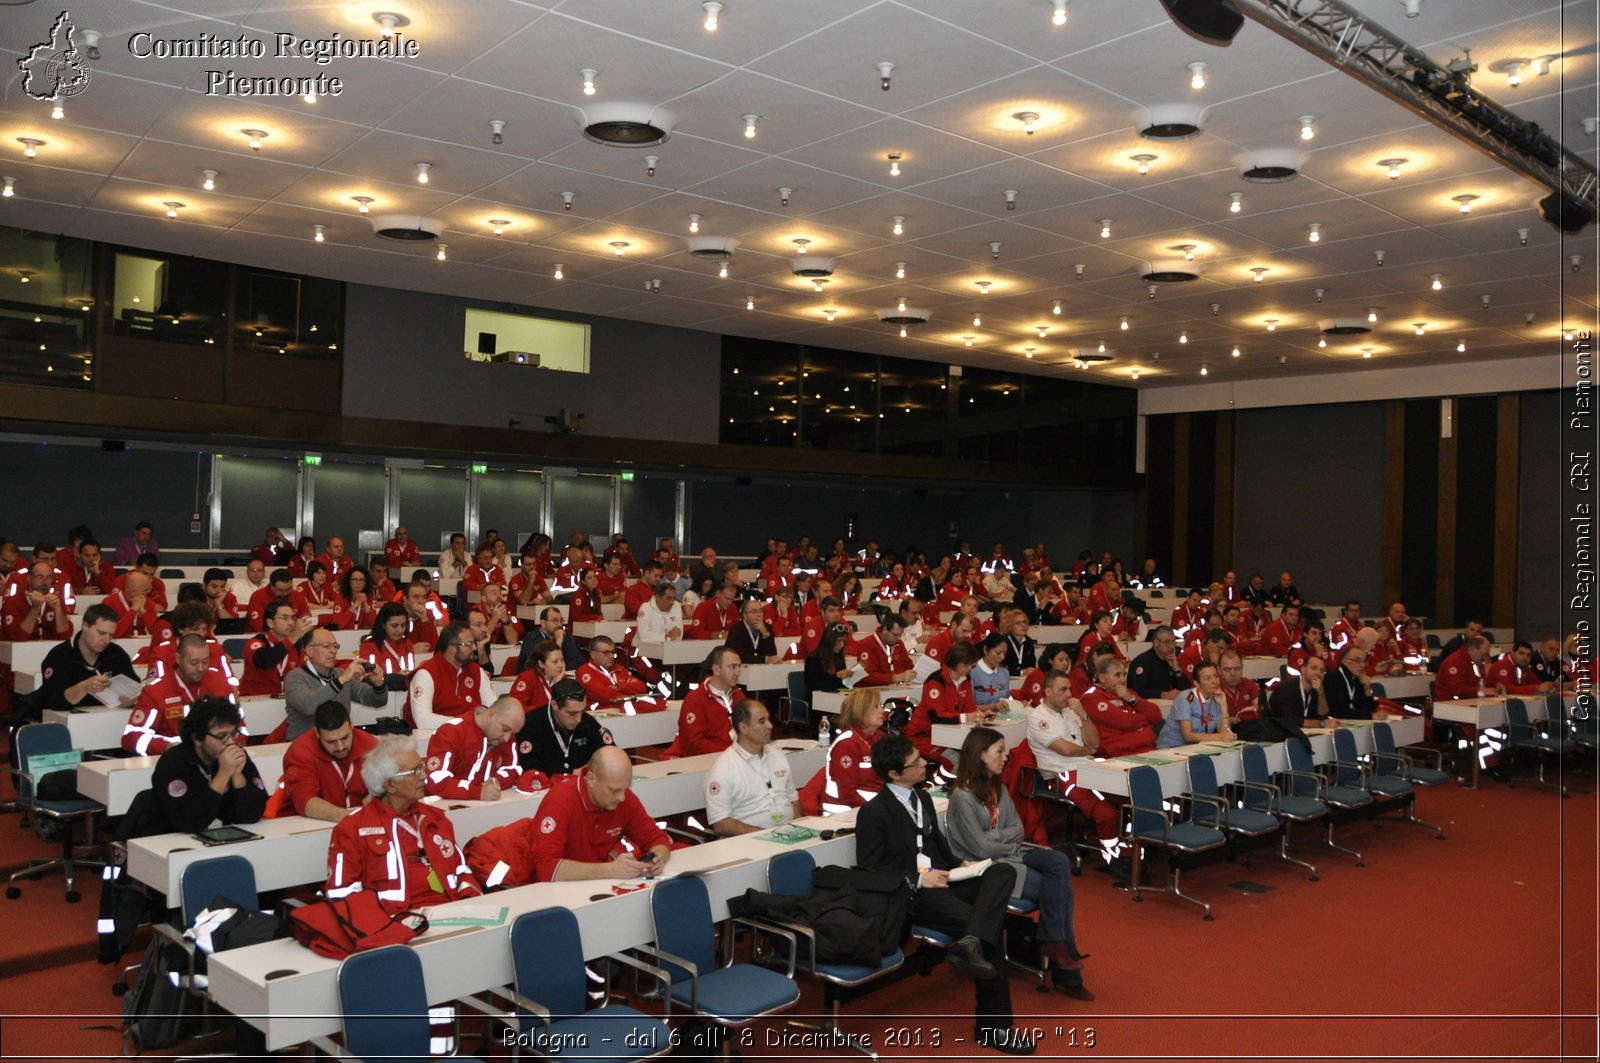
(40, 740)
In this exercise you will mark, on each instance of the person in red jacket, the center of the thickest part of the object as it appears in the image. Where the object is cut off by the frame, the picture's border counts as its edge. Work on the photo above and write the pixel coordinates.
(714, 617)
(849, 781)
(1189, 613)
(611, 687)
(1235, 623)
(640, 592)
(336, 561)
(1462, 674)
(705, 723)
(95, 575)
(547, 666)
(473, 757)
(383, 589)
(611, 581)
(387, 646)
(62, 570)
(396, 845)
(279, 583)
(137, 613)
(482, 571)
(1056, 657)
(1514, 672)
(961, 628)
(946, 697)
(273, 654)
(591, 827)
(1240, 694)
(37, 611)
(813, 627)
(317, 596)
(1100, 633)
(499, 619)
(1312, 645)
(1127, 723)
(449, 684)
(305, 553)
(322, 768)
(1347, 627)
(274, 549)
(153, 725)
(1283, 634)
(360, 604)
(401, 552)
(883, 654)
(781, 616)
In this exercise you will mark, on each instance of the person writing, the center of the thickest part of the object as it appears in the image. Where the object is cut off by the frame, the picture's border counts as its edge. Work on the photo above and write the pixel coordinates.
(1198, 713)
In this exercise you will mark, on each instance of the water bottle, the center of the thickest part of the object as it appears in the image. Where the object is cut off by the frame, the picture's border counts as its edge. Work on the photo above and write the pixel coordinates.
(825, 733)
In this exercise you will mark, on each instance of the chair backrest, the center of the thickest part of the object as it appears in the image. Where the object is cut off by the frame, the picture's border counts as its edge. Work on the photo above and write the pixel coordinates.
(385, 1005)
(1300, 760)
(1254, 761)
(232, 876)
(1144, 789)
(797, 689)
(234, 648)
(1517, 725)
(547, 960)
(1203, 782)
(789, 874)
(1344, 750)
(36, 739)
(1377, 690)
(1432, 640)
(1382, 738)
(682, 913)
(171, 573)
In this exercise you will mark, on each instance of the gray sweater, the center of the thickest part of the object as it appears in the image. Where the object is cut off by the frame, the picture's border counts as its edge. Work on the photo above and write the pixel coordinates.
(304, 690)
(967, 828)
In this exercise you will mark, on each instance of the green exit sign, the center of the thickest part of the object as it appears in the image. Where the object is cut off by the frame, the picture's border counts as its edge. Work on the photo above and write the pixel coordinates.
(627, 477)
(479, 470)
(313, 459)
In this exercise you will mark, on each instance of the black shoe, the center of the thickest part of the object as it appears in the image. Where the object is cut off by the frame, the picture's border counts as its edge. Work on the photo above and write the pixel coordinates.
(966, 956)
(1010, 1041)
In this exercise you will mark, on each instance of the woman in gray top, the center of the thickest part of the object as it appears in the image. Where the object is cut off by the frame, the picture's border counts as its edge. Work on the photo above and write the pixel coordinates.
(982, 823)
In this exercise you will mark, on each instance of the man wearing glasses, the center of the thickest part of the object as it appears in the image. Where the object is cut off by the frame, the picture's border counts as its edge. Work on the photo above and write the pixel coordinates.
(318, 680)
(396, 845)
(206, 776)
(611, 687)
(450, 684)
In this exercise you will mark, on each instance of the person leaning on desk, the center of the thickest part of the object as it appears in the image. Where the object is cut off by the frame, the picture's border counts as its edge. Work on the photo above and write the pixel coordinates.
(76, 670)
(206, 776)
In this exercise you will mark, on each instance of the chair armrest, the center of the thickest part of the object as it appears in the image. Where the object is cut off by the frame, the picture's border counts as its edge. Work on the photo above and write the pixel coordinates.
(1222, 806)
(784, 929)
(656, 972)
(1322, 784)
(1166, 820)
(175, 936)
(329, 1047)
(483, 1007)
(1361, 769)
(679, 961)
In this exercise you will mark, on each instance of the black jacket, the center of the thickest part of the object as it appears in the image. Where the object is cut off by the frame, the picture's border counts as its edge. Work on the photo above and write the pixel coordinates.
(1346, 699)
(537, 747)
(64, 666)
(886, 838)
(180, 797)
(1150, 676)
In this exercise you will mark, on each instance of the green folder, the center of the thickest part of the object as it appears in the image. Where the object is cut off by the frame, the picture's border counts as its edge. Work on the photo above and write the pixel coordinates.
(788, 834)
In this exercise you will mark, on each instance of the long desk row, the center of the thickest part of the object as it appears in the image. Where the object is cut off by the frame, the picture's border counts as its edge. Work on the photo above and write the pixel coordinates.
(101, 727)
(293, 850)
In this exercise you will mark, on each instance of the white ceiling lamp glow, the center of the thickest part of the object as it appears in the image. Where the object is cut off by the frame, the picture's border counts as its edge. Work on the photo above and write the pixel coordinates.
(1320, 292)
(967, 340)
(1421, 327)
(899, 225)
(1183, 336)
(1372, 315)
(58, 110)
(1393, 166)
(800, 243)
(1011, 199)
(1055, 307)
(712, 9)
(30, 146)
(830, 313)
(1059, 16)
(1272, 324)
(618, 247)
(983, 287)
(559, 273)
(1260, 272)
(1466, 200)
(1105, 228)
(750, 121)
(388, 22)
(694, 223)
(1314, 232)
(1308, 127)
(1205, 370)
(363, 203)
(441, 253)
(1461, 348)
(10, 188)
(1437, 281)
(1235, 202)
(422, 172)
(499, 225)
(749, 302)
(255, 137)
(1043, 330)
(1187, 249)
(1143, 160)
(994, 250)
(977, 321)
(1513, 69)
(1029, 120)
(899, 271)
(318, 233)
(173, 206)
(722, 270)
(210, 182)
(1366, 352)
(1124, 325)
(588, 74)
(894, 163)
(1322, 341)
(1197, 76)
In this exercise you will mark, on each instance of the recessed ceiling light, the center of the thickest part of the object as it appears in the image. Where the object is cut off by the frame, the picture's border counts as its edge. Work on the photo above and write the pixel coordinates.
(1197, 75)
(1372, 315)
(1421, 328)
(421, 171)
(750, 121)
(1393, 166)
(1144, 159)
(1235, 202)
(1272, 324)
(694, 223)
(619, 246)
(899, 271)
(1466, 200)
(1259, 271)
(388, 22)
(1055, 307)
(255, 136)
(319, 233)
(10, 188)
(899, 224)
(1183, 336)
(800, 244)
(1308, 127)
(1011, 198)
(1105, 228)
(983, 287)
(1438, 281)
(1059, 17)
(210, 182)
(173, 206)
(1314, 233)
(560, 274)
(1029, 120)
(441, 253)
(498, 225)
(894, 164)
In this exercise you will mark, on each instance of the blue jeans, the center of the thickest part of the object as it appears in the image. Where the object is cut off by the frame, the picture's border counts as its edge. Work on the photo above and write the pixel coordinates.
(1049, 884)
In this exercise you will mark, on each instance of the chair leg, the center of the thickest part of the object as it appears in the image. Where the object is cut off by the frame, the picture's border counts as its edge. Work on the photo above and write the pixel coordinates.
(1410, 816)
(1137, 865)
(1283, 854)
(1327, 839)
(1174, 888)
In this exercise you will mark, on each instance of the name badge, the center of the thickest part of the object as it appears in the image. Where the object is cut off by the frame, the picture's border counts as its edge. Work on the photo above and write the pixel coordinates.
(924, 863)
(370, 830)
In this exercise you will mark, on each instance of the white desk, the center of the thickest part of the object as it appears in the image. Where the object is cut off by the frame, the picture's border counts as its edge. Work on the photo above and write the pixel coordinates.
(615, 630)
(101, 728)
(831, 701)
(287, 991)
(1012, 726)
(769, 676)
(28, 656)
(1401, 687)
(1111, 776)
(1263, 667)
(864, 623)
(678, 651)
(534, 612)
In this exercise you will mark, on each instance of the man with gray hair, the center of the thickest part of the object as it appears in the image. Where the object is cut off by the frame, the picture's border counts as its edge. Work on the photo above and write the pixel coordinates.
(473, 757)
(396, 845)
(1155, 672)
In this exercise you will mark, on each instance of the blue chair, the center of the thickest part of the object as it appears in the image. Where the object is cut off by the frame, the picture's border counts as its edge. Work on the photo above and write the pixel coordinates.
(1234, 819)
(233, 877)
(547, 959)
(789, 875)
(1389, 760)
(686, 946)
(39, 739)
(799, 710)
(1258, 793)
(1151, 825)
(1385, 789)
(385, 1007)
(234, 648)
(1522, 736)
(1304, 781)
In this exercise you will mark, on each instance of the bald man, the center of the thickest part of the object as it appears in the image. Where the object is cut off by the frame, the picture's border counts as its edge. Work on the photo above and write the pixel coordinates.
(473, 757)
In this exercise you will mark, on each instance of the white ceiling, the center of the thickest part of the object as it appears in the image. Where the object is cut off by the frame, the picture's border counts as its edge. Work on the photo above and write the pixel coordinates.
(143, 131)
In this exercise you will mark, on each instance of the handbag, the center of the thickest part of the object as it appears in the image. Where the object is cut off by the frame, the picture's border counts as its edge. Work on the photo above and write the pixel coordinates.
(344, 925)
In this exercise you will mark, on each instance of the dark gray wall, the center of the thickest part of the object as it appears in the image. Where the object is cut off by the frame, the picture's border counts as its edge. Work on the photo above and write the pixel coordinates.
(1070, 521)
(1539, 576)
(402, 359)
(1308, 496)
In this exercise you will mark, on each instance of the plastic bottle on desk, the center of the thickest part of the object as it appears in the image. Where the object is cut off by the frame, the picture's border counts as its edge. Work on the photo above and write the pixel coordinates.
(825, 733)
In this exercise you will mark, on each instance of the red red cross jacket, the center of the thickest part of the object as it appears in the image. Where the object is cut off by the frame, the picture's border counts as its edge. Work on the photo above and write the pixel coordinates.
(308, 771)
(704, 722)
(881, 663)
(1125, 727)
(392, 854)
(153, 724)
(461, 760)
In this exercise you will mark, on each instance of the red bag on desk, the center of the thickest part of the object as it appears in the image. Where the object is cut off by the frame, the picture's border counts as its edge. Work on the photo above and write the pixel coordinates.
(337, 928)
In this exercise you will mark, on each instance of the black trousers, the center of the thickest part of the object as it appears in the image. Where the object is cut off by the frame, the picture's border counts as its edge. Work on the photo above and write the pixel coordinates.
(978, 907)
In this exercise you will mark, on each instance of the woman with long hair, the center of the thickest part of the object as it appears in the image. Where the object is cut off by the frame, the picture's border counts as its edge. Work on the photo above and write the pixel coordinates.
(982, 824)
(1056, 657)
(360, 602)
(546, 665)
(825, 669)
(386, 646)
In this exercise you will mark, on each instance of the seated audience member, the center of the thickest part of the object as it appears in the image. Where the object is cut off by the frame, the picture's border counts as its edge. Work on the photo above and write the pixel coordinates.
(546, 665)
(528, 586)
(1348, 687)
(1546, 661)
(715, 617)
(1473, 629)
(449, 684)
(360, 603)
(402, 551)
(1085, 670)
(559, 738)
(849, 781)
(380, 586)
(991, 682)
(1056, 657)
(454, 561)
(483, 570)
(318, 680)
(74, 671)
(1155, 673)
(1021, 649)
(204, 777)
(300, 561)
(1411, 647)
(336, 561)
(897, 833)
(1386, 655)
(397, 845)
(1199, 713)
(423, 623)
(553, 629)
(1463, 673)
(1238, 623)
(131, 547)
(947, 696)
(828, 614)
(984, 825)
(591, 827)
(750, 787)
(640, 593)
(1208, 649)
(781, 615)
(1283, 634)
(1300, 702)
(705, 722)
(1239, 692)
(189, 618)
(500, 620)
(660, 619)
(1347, 627)
(583, 605)
(1312, 645)
(1285, 593)
(612, 581)
(473, 757)
(274, 549)
(316, 597)
(278, 586)
(1231, 591)
(322, 768)
(1188, 613)
(962, 626)
(275, 652)
(611, 686)
(751, 639)
(884, 656)
(826, 668)
(38, 612)
(386, 645)
(95, 575)
(1100, 633)
(149, 566)
(219, 599)
(1062, 737)
(1129, 621)
(1126, 722)
(154, 725)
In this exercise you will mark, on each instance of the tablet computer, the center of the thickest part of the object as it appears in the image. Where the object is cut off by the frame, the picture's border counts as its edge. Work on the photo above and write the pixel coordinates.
(225, 835)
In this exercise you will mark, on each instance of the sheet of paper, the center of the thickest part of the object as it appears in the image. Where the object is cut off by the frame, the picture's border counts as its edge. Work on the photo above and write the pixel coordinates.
(122, 686)
(960, 874)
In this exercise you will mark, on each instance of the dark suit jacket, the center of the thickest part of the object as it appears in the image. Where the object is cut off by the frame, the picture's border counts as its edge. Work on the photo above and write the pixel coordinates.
(750, 650)
(886, 838)
(1346, 699)
(1287, 704)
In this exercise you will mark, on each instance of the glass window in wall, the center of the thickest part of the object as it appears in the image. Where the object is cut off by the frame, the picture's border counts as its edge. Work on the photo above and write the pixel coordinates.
(1078, 426)
(172, 298)
(988, 414)
(760, 393)
(433, 506)
(349, 500)
(913, 413)
(44, 334)
(508, 502)
(839, 400)
(257, 494)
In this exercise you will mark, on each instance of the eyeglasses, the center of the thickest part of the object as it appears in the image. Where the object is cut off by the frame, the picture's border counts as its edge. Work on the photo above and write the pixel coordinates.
(417, 772)
(605, 653)
(226, 736)
(322, 645)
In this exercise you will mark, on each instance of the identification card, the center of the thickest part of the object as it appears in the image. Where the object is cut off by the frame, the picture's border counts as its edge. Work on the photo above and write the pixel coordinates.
(924, 863)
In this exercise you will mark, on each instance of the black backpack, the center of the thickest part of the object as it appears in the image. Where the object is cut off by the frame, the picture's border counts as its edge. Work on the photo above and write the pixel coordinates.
(153, 1012)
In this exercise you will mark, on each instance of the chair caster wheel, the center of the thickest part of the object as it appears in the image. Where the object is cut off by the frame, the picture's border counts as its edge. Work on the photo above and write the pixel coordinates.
(120, 989)
(1361, 863)
(73, 896)
(13, 892)
(1438, 837)
(1314, 878)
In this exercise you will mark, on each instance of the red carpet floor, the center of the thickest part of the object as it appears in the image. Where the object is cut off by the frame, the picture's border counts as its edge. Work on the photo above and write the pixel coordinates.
(1482, 946)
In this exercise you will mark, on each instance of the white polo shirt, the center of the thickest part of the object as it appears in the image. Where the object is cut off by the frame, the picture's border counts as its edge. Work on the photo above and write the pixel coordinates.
(1045, 725)
(756, 790)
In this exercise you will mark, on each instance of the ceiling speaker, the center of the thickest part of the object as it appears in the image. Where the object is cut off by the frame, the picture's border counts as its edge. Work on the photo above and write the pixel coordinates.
(1212, 21)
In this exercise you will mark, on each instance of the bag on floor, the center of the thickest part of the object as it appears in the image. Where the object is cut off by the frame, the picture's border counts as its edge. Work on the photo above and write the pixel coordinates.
(344, 925)
(152, 1011)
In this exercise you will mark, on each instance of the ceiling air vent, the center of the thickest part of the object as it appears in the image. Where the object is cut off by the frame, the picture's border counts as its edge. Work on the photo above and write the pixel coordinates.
(1269, 165)
(1344, 326)
(813, 267)
(627, 125)
(407, 228)
(1168, 271)
(911, 315)
(1168, 121)
(716, 248)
